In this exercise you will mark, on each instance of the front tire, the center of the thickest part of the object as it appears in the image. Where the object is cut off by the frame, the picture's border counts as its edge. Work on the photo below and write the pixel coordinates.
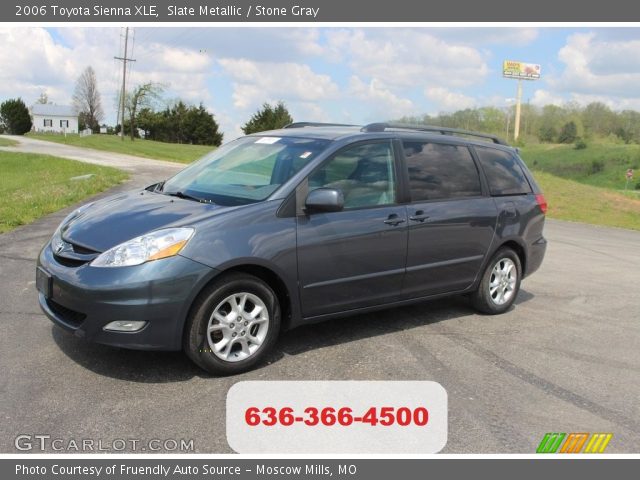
(233, 324)
(500, 283)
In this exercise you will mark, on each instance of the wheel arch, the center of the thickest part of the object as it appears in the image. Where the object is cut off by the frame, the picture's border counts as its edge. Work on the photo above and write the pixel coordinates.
(287, 297)
(520, 251)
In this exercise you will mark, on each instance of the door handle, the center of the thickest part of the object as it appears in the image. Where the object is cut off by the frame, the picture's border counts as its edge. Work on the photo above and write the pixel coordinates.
(419, 216)
(394, 220)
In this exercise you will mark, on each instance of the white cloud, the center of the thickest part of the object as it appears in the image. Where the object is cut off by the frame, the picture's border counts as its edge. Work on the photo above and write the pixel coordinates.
(257, 82)
(383, 102)
(33, 62)
(310, 112)
(447, 101)
(255, 43)
(180, 60)
(544, 97)
(595, 67)
(407, 58)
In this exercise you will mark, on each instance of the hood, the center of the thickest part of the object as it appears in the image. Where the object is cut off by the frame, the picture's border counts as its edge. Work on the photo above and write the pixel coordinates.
(117, 219)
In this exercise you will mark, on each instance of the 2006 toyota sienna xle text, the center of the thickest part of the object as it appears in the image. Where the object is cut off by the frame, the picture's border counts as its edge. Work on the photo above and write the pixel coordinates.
(275, 230)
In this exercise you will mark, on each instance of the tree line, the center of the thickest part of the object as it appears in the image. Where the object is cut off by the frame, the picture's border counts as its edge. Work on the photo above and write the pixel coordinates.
(183, 123)
(568, 123)
(178, 123)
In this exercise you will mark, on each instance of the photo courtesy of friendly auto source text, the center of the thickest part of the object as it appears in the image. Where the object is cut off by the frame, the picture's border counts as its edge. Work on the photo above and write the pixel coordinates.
(301, 239)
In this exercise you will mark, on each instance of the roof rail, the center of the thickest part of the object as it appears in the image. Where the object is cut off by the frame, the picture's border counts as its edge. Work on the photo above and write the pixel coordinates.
(317, 124)
(381, 127)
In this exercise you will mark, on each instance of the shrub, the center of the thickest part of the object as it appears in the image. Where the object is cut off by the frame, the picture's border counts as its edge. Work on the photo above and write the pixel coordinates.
(597, 166)
(520, 143)
(580, 144)
(14, 114)
(269, 117)
(569, 133)
(547, 134)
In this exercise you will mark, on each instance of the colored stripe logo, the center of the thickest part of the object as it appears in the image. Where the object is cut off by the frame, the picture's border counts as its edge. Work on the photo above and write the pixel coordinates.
(598, 443)
(550, 443)
(574, 442)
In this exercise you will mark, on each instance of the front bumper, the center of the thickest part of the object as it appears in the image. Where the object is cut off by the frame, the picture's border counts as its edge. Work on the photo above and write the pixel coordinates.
(84, 299)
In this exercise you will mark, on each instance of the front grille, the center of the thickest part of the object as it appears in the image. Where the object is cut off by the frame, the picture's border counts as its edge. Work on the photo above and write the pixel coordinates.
(73, 255)
(68, 316)
(82, 250)
(69, 262)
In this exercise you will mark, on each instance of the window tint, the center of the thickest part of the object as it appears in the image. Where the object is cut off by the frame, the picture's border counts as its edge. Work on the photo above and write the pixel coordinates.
(438, 171)
(364, 173)
(246, 170)
(503, 173)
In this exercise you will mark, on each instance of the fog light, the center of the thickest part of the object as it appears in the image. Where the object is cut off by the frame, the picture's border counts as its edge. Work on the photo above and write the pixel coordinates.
(125, 326)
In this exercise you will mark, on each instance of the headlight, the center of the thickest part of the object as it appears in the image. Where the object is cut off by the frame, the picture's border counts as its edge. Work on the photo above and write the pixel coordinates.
(56, 240)
(151, 246)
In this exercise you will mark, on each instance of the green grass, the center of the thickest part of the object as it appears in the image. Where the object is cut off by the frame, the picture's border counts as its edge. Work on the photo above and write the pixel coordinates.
(588, 185)
(569, 200)
(34, 185)
(5, 142)
(600, 164)
(172, 152)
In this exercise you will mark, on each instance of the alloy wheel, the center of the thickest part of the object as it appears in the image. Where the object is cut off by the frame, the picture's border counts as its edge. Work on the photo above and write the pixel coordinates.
(237, 327)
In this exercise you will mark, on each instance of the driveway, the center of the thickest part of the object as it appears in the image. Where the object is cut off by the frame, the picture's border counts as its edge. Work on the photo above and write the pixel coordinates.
(565, 359)
(141, 168)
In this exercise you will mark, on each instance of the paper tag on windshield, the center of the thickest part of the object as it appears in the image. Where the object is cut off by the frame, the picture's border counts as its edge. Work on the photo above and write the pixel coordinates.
(306, 155)
(268, 140)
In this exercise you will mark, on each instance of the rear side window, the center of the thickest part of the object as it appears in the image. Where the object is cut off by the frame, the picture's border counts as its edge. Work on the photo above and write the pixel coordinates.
(503, 172)
(440, 171)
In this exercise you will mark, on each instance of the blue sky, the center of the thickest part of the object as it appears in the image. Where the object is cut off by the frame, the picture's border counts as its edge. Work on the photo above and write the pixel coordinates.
(327, 74)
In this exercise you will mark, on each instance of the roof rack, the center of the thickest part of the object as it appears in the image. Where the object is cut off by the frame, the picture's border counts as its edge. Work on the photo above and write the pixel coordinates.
(381, 127)
(317, 124)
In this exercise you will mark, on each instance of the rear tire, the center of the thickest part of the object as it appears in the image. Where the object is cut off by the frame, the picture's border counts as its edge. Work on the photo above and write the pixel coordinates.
(500, 283)
(233, 325)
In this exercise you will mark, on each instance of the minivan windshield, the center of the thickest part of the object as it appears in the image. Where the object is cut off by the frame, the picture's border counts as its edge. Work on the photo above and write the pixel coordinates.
(246, 170)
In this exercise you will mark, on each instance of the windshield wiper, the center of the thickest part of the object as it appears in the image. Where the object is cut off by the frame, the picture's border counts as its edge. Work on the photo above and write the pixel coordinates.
(186, 196)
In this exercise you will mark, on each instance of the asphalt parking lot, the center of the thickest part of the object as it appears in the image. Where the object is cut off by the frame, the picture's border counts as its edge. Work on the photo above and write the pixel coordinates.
(565, 359)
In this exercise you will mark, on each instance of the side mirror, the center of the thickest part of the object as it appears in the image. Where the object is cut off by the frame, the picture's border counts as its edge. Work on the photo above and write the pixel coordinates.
(324, 200)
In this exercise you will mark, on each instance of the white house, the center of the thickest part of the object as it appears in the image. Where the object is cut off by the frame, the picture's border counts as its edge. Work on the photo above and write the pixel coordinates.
(54, 118)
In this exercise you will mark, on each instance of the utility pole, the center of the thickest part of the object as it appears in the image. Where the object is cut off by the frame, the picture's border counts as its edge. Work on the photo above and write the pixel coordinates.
(124, 80)
(516, 123)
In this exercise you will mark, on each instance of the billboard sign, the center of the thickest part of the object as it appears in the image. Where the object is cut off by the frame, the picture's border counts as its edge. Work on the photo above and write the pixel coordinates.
(520, 70)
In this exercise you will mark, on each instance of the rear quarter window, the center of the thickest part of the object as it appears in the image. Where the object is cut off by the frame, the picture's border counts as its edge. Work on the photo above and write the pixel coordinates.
(504, 174)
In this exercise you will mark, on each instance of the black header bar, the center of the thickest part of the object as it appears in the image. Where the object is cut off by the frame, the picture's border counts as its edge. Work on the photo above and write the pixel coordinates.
(313, 11)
